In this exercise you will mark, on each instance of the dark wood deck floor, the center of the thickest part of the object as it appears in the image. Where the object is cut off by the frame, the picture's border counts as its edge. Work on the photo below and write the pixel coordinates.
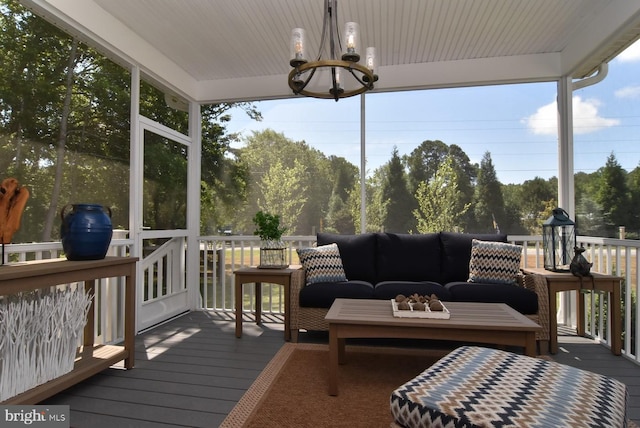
(191, 371)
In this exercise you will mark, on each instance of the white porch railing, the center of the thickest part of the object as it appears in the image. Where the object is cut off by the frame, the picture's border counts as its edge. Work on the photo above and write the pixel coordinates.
(619, 257)
(221, 255)
(109, 292)
(162, 285)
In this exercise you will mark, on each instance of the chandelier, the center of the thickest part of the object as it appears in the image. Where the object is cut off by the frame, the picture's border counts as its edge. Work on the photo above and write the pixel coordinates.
(344, 75)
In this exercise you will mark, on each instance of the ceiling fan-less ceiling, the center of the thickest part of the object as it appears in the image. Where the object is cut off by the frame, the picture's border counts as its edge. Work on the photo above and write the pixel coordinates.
(344, 73)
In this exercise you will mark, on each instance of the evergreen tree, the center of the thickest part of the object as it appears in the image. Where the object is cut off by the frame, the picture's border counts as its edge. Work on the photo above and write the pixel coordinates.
(339, 218)
(398, 216)
(512, 221)
(488, 202)
(376, 207)
(633, 183)
(589, 217)
(613, 196)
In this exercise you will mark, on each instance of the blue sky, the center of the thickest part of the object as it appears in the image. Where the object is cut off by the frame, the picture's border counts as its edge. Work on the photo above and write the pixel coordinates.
(515, 123)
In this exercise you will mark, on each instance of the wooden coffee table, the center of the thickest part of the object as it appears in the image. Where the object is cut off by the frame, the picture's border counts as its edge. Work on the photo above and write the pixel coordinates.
(494, 323)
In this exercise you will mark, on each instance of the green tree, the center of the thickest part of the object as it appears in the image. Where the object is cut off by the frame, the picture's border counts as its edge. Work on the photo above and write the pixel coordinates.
(398, 218)
(268, 147)
(424, 161)
(376, 206)
(37, 100)
(488, 202)
(282, 191)
(613, 196)
(513, 220)
(535, 195)
(339, 218)
(225, 176)
(438, 201)
(633, 183)
(589, 217)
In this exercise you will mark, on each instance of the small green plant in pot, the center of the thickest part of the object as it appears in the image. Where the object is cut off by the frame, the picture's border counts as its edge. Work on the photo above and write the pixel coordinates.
(272, 250)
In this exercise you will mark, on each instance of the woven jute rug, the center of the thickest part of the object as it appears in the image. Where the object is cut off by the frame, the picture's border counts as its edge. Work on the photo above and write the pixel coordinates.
(292, 391)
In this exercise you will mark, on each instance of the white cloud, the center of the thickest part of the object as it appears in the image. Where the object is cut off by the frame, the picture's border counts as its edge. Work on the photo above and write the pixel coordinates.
(544, 120)
(628, 92)
(631, 54)
(585, 118)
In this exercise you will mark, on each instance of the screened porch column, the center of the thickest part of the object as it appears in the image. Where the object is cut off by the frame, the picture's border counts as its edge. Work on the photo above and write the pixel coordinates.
(566, 192)
(135, 167)
(193, 205)
(363, 166)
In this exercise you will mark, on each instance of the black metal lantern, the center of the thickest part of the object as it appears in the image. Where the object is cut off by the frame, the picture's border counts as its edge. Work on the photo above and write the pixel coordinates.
(559, 241)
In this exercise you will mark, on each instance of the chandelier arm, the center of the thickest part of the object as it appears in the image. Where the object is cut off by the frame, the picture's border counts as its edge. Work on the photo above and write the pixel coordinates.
(297, 89)
(369, 84)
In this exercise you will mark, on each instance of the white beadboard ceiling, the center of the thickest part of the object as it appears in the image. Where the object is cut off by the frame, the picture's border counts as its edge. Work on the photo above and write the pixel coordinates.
(224, 50)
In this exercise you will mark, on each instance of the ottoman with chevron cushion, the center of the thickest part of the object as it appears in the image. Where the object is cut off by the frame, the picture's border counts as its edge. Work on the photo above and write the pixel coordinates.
(479, 387)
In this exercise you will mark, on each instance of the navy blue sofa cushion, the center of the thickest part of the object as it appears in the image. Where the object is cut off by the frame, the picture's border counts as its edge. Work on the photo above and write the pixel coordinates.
(358, 253)
(390, 289)
(521, 299)
(456, 253)
(322, 294)
(404, 257)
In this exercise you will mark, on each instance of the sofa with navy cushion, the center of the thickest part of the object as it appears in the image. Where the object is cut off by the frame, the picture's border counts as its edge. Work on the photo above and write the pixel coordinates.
(454, 266)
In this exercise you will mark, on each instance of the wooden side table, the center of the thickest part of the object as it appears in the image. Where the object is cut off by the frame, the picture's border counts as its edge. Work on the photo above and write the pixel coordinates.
(565, 281)
(284, 277)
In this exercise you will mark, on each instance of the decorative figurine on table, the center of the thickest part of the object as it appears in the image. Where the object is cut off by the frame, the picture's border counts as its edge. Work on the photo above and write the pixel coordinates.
(13, 199)
(579, 265)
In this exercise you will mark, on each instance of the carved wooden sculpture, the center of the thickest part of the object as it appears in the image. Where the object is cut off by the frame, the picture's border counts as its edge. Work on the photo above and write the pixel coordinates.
(13, 199)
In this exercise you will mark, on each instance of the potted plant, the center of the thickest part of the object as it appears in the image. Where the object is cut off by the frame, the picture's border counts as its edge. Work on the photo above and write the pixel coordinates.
(272, 249)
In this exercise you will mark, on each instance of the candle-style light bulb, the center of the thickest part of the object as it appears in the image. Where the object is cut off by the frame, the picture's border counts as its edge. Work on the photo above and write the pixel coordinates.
(298, 47)
(351, 42)
(371, 62)
(336, 85)
(371, 59)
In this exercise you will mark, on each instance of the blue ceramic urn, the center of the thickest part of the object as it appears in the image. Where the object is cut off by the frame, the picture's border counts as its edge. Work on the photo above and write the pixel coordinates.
(86, 231)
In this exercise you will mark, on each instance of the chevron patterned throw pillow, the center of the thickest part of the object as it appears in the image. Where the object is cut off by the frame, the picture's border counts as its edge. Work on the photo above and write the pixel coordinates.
(322, 264)
(494, 262)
